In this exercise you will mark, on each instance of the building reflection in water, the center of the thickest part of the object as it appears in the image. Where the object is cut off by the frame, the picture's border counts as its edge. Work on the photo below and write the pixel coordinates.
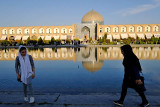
(92, 58)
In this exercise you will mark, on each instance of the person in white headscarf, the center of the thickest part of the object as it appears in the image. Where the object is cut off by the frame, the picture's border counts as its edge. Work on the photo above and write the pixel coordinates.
(25, 71)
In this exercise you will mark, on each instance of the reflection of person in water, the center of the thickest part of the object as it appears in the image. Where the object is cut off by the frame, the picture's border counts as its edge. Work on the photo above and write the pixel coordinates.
(132, 78)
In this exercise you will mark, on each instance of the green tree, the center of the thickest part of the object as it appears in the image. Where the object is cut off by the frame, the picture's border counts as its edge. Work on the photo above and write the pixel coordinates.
(105, 36)
(103, 39)
(156, 40)
(100, 40)
(159, 41)
(52, 40)
(40, 41)
(28, 41)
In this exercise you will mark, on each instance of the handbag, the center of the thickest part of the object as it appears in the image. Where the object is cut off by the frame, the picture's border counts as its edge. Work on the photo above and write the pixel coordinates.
(142, 77)
(142, 86)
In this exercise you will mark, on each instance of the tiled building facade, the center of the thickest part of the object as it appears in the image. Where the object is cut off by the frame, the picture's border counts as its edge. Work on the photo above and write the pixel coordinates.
(92, 26)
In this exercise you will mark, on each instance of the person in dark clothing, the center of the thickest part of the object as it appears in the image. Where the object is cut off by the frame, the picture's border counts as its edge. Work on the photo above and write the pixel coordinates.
(132, 78)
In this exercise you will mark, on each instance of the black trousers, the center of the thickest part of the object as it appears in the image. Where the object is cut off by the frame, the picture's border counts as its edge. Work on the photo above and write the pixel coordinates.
(125, 86)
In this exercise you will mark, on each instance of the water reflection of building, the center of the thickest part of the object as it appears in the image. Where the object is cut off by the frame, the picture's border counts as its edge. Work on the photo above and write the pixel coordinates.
(83, 54)
(91, 57)
(41, 54)
(86, 54)
(114, 53)
(92, 66)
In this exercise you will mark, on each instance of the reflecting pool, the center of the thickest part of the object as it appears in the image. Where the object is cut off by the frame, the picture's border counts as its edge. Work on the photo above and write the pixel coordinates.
(80, 70)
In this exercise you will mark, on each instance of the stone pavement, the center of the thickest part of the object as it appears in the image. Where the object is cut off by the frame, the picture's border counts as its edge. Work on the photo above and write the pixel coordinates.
(15, 99)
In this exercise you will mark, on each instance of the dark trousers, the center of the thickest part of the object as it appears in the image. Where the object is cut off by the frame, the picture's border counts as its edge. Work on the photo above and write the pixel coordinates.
(124, 92)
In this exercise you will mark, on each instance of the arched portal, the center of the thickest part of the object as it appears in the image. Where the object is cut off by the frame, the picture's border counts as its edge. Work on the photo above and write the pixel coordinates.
(85, 33)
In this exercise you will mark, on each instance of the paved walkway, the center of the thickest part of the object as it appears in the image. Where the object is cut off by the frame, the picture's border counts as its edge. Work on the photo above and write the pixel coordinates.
(82, 100)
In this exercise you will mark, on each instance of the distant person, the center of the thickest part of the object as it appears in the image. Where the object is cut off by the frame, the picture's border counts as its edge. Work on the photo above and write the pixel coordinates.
(25, 70)
(132, 78)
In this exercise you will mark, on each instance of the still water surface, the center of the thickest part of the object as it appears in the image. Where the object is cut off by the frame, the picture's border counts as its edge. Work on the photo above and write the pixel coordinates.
(80, 70)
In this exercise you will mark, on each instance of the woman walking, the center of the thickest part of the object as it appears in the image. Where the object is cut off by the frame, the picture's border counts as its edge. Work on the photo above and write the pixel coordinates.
(132, 78)
(25, 71)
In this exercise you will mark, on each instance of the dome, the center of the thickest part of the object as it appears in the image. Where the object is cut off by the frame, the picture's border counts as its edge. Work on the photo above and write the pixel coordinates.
(92, 17)
(92, 66)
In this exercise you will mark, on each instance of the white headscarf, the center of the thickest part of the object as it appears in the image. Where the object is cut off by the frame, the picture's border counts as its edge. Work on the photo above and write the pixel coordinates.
(25, 66)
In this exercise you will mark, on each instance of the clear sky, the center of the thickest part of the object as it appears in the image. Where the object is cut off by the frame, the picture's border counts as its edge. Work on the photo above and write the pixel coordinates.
(68, 12)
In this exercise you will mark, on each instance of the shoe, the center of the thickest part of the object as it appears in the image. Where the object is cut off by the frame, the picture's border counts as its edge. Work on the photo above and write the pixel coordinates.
(31, 100)
(119, 103)
(26, 99)
(144, 104)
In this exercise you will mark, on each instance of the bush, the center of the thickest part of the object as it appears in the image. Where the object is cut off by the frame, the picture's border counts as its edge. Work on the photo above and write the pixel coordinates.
(76, 40)
(111, 43)
(108, 41)
(104, 43)
(154, 40)
(5, 43)
(68, 41)
(118, 40)
(47, 41)
(138, 40)
(127, 41)
(142, 41)
(33, 42)
(58, 41)
(114, 43)
(19, 42)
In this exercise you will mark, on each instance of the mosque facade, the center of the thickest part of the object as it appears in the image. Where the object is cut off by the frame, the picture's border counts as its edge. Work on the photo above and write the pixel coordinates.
(91, 26)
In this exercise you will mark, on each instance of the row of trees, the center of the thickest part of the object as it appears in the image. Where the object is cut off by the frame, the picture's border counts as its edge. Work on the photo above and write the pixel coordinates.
(152, 40)
(40, 41)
